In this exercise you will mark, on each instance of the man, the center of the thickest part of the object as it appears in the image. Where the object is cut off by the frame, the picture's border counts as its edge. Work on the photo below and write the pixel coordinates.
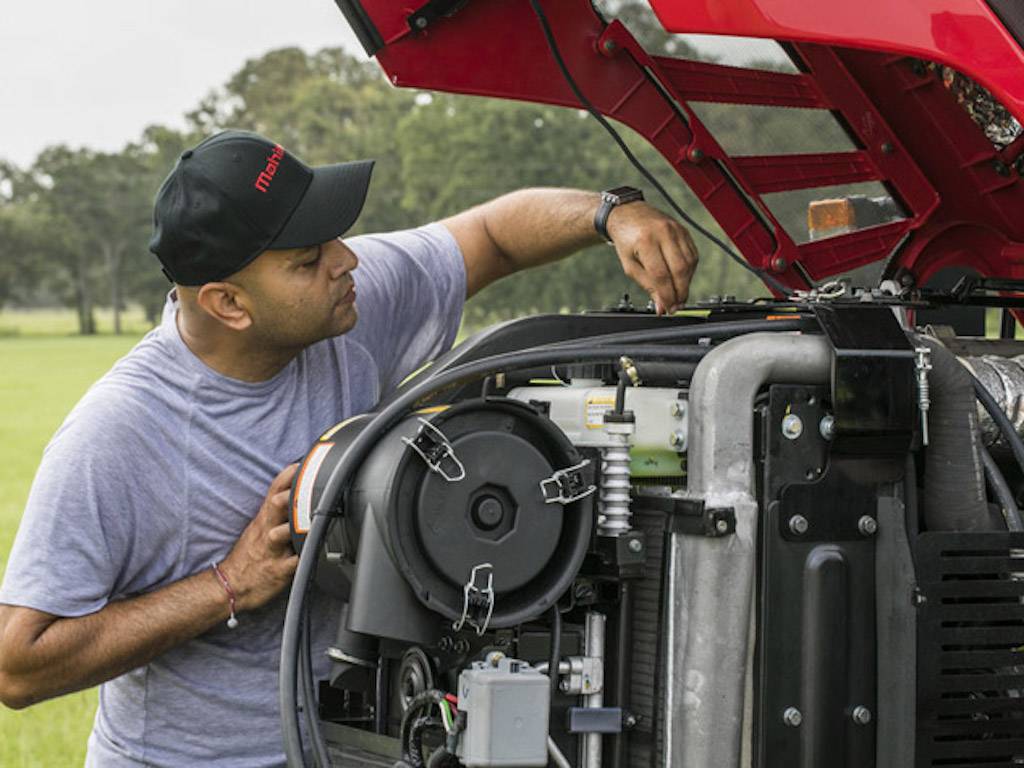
(139, 562)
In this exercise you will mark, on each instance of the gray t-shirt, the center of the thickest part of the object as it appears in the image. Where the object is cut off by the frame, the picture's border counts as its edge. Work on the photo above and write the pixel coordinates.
(162, 464)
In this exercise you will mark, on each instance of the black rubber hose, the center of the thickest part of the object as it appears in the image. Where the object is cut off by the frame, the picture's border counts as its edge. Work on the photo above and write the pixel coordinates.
(716, 331)
(363, 443)
(555, 653)
(309, 700)
(954, 477)
(620, 392)
(1000, 418)
(655, 374)
(1002, 491)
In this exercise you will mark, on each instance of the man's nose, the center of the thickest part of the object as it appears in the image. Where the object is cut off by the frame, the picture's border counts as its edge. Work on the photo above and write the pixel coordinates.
(342, 258)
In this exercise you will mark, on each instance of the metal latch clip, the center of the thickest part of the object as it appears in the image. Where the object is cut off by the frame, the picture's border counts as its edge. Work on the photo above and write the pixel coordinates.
(567, 485)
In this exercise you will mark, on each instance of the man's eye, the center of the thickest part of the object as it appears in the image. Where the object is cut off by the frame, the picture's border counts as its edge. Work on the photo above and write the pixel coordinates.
(314, 261)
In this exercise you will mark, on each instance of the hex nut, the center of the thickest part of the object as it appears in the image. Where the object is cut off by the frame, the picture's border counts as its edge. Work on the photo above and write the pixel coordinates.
(792, 717)
(867, 525)
(635, 545)
(798, 524)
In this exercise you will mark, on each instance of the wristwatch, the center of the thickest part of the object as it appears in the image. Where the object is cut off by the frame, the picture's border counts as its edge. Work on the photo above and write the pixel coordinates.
(609, 199)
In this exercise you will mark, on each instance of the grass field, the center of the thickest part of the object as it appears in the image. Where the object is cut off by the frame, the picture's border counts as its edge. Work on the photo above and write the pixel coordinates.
(43, 372)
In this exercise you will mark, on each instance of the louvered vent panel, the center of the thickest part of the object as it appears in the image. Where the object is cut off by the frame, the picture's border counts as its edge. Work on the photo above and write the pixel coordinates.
(970, 650)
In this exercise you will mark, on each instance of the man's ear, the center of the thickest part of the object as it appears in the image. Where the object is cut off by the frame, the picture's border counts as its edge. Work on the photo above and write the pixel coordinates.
(226, 303)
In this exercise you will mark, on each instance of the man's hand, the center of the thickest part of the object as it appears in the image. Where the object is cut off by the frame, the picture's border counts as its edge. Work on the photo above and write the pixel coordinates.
(262, 561)
(656, 251)
(43, 655)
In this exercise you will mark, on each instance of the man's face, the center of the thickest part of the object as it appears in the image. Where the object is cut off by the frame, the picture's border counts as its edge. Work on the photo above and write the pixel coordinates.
(302, 295)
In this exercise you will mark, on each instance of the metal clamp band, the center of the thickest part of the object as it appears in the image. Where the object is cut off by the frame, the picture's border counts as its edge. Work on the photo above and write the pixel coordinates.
(433, 447)
(567, 485)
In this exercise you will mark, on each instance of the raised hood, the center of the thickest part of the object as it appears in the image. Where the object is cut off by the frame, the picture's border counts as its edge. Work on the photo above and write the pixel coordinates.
(876, 65)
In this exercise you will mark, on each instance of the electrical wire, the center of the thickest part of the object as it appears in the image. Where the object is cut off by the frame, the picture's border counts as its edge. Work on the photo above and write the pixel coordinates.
(772, 283)
(555, 654)
(1002, 491)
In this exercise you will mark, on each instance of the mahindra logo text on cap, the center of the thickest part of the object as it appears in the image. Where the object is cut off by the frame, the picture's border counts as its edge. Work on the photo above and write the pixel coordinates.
(267, 174)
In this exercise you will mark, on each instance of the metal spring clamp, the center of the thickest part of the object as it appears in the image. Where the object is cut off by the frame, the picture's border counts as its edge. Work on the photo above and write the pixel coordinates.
(567, 485)
(433, 447)
(477, 601)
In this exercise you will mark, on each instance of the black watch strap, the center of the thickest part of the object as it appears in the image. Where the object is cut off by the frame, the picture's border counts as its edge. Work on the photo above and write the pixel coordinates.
(609, 199)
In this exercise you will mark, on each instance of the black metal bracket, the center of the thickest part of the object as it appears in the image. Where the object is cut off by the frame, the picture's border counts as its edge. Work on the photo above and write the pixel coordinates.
(690, 517)
(432, 11)
(874, 393)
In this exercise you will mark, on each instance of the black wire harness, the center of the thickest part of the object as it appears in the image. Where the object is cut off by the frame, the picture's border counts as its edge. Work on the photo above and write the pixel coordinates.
(772, 283)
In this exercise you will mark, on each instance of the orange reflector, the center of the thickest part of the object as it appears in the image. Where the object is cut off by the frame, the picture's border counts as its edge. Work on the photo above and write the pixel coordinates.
(831, 216)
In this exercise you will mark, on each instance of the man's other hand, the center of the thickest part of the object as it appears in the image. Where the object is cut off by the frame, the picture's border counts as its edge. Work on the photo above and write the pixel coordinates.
(656, 251)
(262, 561)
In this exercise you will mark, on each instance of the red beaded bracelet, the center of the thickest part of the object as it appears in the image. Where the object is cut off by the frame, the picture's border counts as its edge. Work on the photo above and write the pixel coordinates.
(232, 621)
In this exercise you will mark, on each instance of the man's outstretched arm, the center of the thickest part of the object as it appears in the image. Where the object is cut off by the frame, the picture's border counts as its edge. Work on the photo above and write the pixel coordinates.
(42, 655)
(536, 226)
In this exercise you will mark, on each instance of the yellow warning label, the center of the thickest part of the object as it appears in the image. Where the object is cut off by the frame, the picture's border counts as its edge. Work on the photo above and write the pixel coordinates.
(595, 407)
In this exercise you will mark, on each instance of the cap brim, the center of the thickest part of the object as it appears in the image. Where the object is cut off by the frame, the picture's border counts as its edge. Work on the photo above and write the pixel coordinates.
(329, 208)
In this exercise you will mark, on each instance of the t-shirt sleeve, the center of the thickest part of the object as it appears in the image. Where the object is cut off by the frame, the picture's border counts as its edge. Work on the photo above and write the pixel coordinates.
(79, 543)
(410, 290)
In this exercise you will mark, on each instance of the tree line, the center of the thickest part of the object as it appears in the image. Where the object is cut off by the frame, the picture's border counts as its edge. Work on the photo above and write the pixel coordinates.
(74, 225)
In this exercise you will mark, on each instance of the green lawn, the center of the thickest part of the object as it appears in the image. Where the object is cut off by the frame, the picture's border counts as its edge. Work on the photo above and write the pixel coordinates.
(41, 378)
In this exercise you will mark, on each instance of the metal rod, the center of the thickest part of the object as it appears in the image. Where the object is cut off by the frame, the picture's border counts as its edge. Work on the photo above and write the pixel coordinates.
(624, 654)
(593, 644)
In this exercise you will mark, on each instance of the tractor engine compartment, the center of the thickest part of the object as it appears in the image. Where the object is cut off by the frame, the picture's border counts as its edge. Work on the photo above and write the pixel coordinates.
(783, 533)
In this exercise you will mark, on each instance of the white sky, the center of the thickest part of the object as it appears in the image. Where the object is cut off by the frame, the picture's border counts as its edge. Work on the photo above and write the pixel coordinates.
(95, 74)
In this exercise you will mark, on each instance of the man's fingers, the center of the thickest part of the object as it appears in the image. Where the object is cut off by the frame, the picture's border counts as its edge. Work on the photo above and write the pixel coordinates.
(660, 280)
(280, 536)
(284, 479)
(679, 266)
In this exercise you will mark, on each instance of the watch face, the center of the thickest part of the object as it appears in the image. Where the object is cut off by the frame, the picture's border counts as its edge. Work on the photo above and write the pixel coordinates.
(620, 195)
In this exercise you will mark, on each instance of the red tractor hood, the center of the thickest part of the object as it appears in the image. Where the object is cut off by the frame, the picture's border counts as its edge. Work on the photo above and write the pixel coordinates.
(871, 63)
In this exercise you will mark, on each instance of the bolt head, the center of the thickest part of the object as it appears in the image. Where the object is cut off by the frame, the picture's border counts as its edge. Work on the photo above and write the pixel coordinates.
(676, 410)
(695, 155)
(792, 426)
(608, 45)
(722, 526)
(798, 524)
(629, 721)
(421, 23)
(861, 715)
(827, 426)
(867, 525)
(635, 545)
(792, 717)
(563, 686)
(779, 264)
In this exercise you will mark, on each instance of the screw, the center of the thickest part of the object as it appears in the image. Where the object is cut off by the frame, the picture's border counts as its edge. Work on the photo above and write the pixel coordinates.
(722, 526)
(695, 155)
(867, 525)
(779, 264)
(608, 45)
(583, 591)
(798, 524)
(676, 409)
(629, 721)
(861, 715)
(827, 426)
(635, 545)
(421, 22)
(677, 440)
(792, 426)
(792, 717)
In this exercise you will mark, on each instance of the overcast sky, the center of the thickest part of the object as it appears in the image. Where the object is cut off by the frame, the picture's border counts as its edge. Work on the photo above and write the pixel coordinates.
(96, 74)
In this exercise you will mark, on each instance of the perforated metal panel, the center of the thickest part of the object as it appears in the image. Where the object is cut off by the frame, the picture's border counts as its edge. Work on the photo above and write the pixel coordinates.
(970, 650)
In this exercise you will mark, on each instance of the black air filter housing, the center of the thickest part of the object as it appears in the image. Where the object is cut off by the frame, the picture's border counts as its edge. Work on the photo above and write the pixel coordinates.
(483, 504)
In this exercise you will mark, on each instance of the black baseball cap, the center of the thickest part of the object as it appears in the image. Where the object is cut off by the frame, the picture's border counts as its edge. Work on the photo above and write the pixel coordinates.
(238, 194)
